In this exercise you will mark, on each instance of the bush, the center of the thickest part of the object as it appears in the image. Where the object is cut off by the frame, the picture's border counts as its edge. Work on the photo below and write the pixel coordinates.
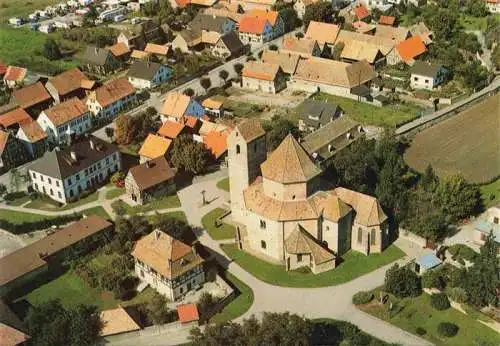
(458, 294)
(362, 298)
(402, 282)
(440, 301)
(432, 279)
(461, 252)
(447, 329)
(27, 227)
(420, 331)
(118, 179)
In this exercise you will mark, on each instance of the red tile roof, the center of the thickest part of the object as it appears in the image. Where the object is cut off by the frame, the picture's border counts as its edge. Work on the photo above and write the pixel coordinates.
(17, 116)
(411, 48)
(11, 337)
(191, 121)
(170, 129)
(387, 20)
(113, 91)
(361, 12)
(68, 81)
(271, 16)
(183, 3)
(33, 132)
(216, 142)
(252, 25)
(15, 73)
(188, 313)
(31, 95)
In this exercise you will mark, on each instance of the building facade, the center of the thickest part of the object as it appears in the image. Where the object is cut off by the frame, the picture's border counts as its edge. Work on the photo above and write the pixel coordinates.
(107, 101)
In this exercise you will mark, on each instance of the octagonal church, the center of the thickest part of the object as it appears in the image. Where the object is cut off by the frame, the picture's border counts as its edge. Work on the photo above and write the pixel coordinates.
(283, 214)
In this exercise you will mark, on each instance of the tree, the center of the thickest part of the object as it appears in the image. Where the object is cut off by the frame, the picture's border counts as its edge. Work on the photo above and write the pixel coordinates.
(110, 132)
(205, 303)
(429, 180)
(402, 282)
(189, 155)
(90, 17)
(474, 74)
(277, 129)
(290, 17)
(444, 23)
(223, 74)
(3, 189)
(206, 83)
(321, 11)
(52, 324)
(456, 197)
(126, 129)
(189, 92)
(177, 229)
(51, 50)
(483, 277)
(238, 68)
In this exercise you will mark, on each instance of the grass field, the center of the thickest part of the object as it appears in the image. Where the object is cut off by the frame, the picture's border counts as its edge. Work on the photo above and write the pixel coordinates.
(238, 306)
(387, 116)
(45, 203)
(99, 211)
(224, 231)
(468, 143)
(162, 203)
(490, 193)
(355, 264)
(223, 184)
(115, 192)
(18, 217)
(14, 8)
(418, 313)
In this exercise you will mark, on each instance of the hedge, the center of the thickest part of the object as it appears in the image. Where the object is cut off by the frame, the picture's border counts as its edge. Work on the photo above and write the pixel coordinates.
(460, 252)
(447, 329)
(439, 301)
(37, 225)
(362, 298)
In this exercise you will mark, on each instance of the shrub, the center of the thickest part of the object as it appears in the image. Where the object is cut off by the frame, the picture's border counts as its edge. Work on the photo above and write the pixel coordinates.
(440, 301)
(420, 331)
(362, 298)
(432, 279)
(402, 282)
(118, 178)
(461, 252)
(27, 227)
(447, 329)
(458, 294)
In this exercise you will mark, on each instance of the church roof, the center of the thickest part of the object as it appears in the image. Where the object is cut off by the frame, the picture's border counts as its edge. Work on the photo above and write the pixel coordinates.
(330, 206)
(299, 241)
(250, 129)
(289, 163)
(367, 208)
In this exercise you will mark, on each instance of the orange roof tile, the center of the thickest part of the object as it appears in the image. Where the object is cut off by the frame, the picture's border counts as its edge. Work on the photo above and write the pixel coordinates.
(183, 3)
(68, 81)
(216, 142)
(271, 16)
(15, 74)
(17, 116)
(322, 32)
(260, 70)
(66, 111)
(10, 336)
(188, 313)
(116, 321)
(4, 136)
(387, 20)
(171, 129)
(119, 49)
(191, 121)
(155, 146)
(212, 103)
(140, 54)
(411, 48)
(175, 105)
(252, 25)
(33, 131)
(361, 12)
(113, 91)
(157, 49)
(31, 95)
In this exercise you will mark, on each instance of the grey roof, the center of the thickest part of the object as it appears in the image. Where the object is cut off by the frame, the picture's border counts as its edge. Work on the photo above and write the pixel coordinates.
(232, 42)
(425, 69)
(208, 22)
(324, 111)
(144, 69)
(59, 164)
(95, 55)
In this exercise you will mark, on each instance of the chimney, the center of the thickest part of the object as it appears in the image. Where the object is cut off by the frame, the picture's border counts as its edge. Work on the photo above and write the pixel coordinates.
(92, 144)
(73, 155)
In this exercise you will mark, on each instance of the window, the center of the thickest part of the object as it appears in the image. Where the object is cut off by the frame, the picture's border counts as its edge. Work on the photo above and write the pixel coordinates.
(57, 183)
(114, 157)
(372, 237)
(426, 81)
(41, 178)
(33, 175)
(360, 235)
(116, 168)
(299, 257)
(86, 172)
(36, 186)
(107, 160)
(51, 192)
(181, 290)
(79, 189)
(415, 79)
(263, 244)
(78, 177)
(99, 165)
(71, 192)
(495, 220)
(59, 194)
(237, 149)
(69, 181)
(262, 224)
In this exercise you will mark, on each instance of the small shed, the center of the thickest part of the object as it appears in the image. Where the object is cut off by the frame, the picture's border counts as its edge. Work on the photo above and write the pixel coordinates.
(426, 262)
(188, 313)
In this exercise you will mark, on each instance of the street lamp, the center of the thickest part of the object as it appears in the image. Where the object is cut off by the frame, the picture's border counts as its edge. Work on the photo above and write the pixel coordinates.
(203, 197)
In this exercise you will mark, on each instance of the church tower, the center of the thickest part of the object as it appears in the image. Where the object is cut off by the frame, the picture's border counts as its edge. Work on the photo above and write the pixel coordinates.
(246, 151)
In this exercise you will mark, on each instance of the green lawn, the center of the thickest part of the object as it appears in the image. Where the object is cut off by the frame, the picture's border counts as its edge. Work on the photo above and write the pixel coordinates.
(179, 215)
(238, 306)
(418, 313)
(18, 217)
(243, 109)
(71, 290)
(99, 211)
(355, 264)
(223, 184)
(20, 199)
(167, 202)
(131, 149)
(224, 231)
(13, 8)
(388, 116)
(115, 192)
(45, 203)
(490, 193)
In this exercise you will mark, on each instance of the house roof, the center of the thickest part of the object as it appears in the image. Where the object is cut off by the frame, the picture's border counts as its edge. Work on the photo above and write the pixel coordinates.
(33, 132)
(299, 241)
(168, 256)
(323, 111)
(210, 37)
(208, 126)
(288, 62)
(252, 25)
(213, 103)
(191, 121)
(32, 256)
(188, 313)
(144, 69)
(139, 54)
(157, 49)
(420, 29)
(333, 72)
(155, 146)
(68, 81)
(250, 129)
(152, 173)
(15, 74)
(260, 70)
(330, 205)
(425, 69)
(361, 12)
(171, 129)
(428, 261)
(191, 37)
(216, 142)
(397, 34)
(322, 32)
(223, 12)
(116, 321)
(209, 22)
(112, 91)
(175, 105)
(363, 27)
(95, 55)
(59, 164)
(31, 95)
(289, 163)
(387, 20)
(4, 137)
(119, 49)
(270, 16)
(383, 43)
(411, 48)
(357, 50)
(232, 41)
(10, 336)
(303, 46)
(367, 208)
(66, 111)
(17, 116)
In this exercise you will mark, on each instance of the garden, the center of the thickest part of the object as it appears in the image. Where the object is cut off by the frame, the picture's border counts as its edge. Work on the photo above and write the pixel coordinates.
(217, 228)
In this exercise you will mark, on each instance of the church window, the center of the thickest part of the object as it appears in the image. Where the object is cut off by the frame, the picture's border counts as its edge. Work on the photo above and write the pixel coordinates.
(237, 149)
(360, 235)
(372, 237)
(263, 224)
(263, 244)
(299, 258)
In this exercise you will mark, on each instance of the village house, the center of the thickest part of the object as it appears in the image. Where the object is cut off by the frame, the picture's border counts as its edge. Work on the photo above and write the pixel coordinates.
(153, 147)
(300, 6)
(396, 34)
(120, 51)
(283, 214)
(147, 75)
(206, 22)
(140, 55)
(33, 99)
(261, 76)
(171, 129)
(146, 31)
(69, 84)
(12, 153)
(302, 47)
(107, 101)
(316, 114)
(407, 51)
(169, 266)
(362, 13)
(255, 30)
(333, 77)
(65, 120)
(186, 40)
(387, 20)
(31, 262)
(383, 44)
(233, 11)
(63, 174)
(493, 6)
(214, 106)
(420, 29)
(14, 76)
(323, 33)
(149, 180)
(228, 45)
(355, 51)
(425, 75)
(159, 51)
(13, 119)
(216, 143)
(364, 28)
(99, 61)
(34, 139)
(177, 106)
(273, 17)
(288, 62)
